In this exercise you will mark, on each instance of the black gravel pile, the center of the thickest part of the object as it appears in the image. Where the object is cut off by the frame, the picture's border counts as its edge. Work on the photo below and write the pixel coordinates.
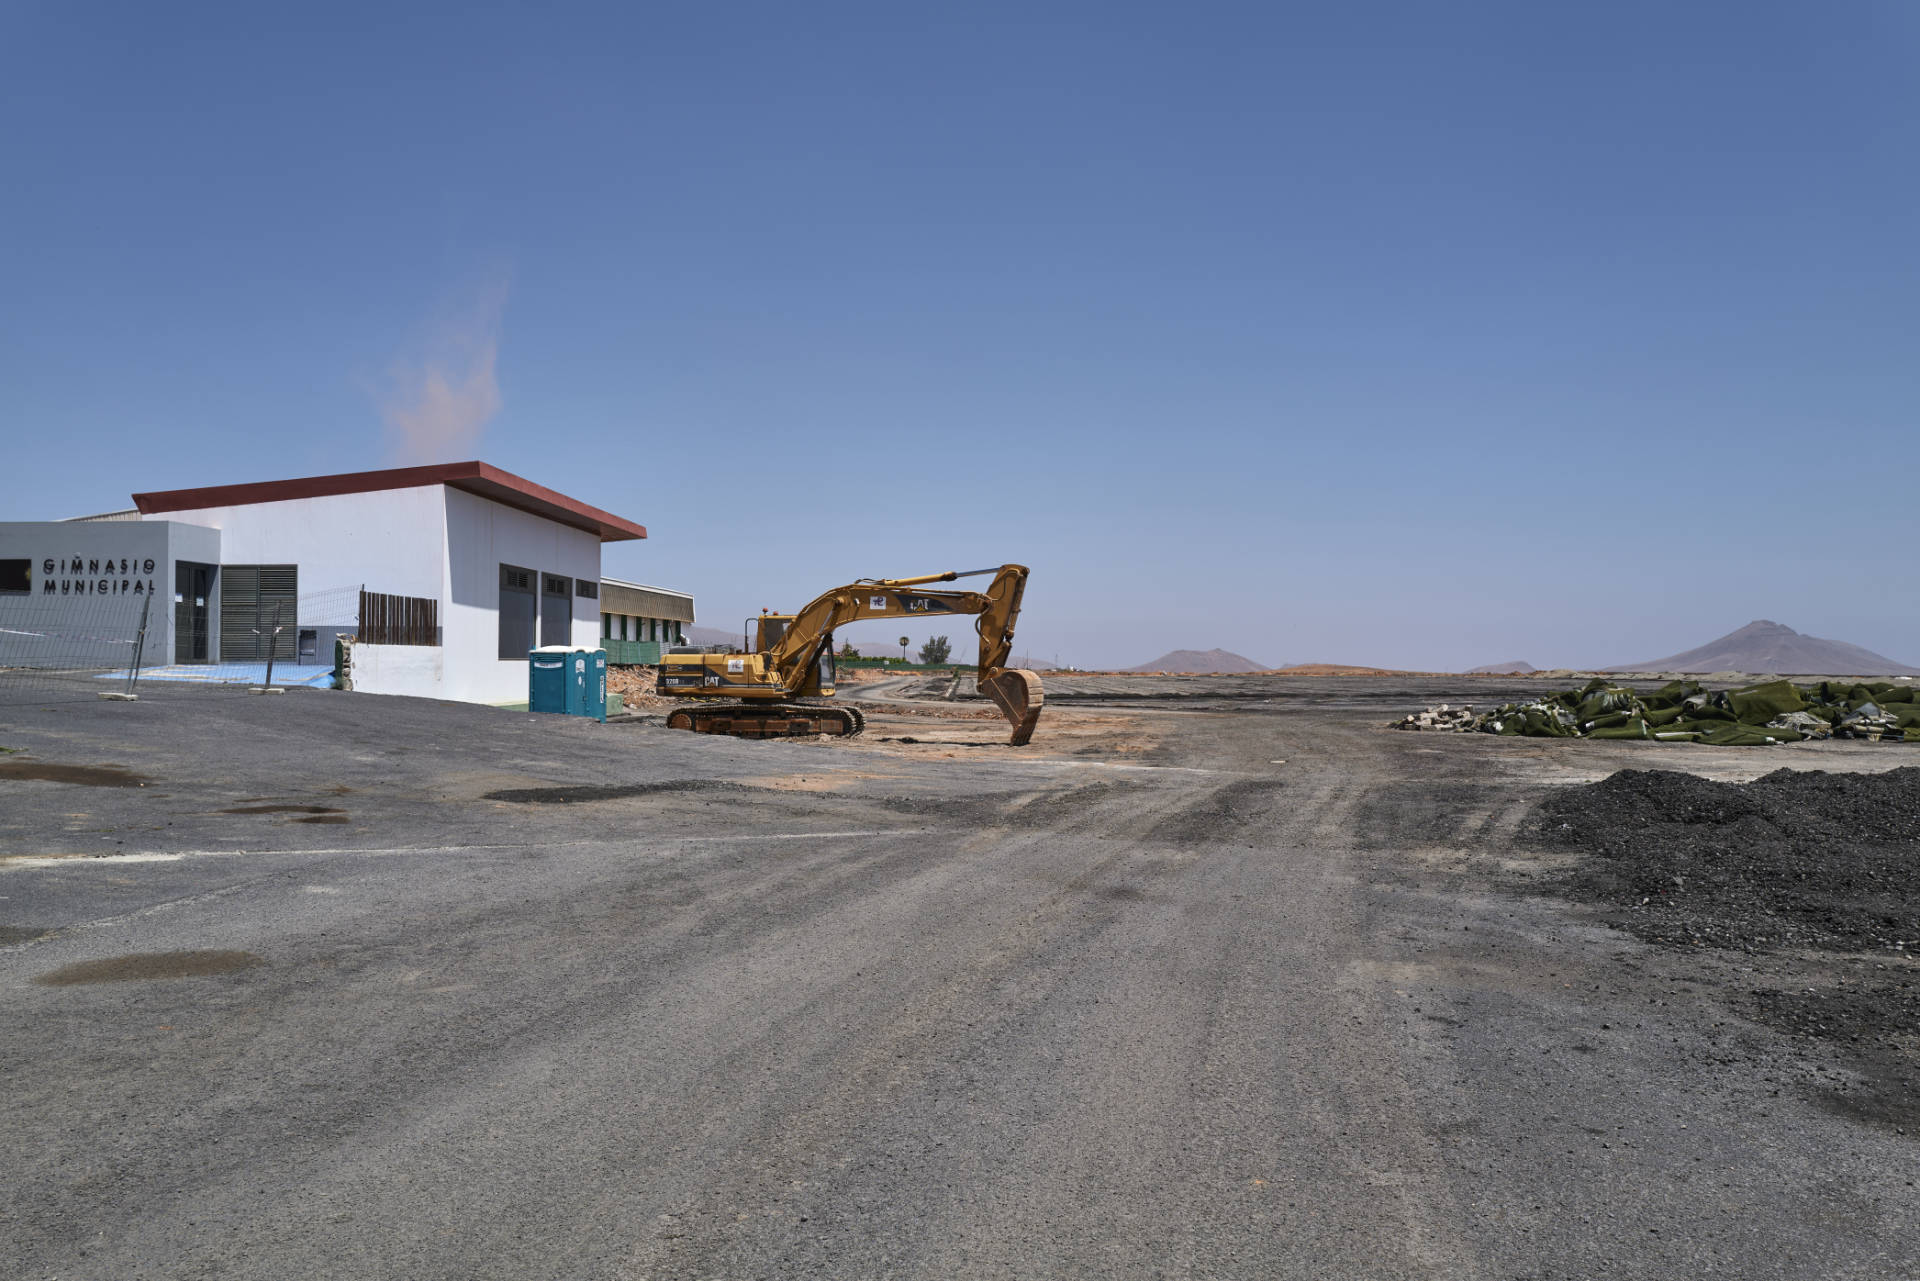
(1795, 863)
(1795, 859)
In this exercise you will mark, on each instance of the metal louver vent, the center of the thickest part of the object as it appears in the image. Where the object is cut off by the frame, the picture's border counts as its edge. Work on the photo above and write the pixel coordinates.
(251, 598)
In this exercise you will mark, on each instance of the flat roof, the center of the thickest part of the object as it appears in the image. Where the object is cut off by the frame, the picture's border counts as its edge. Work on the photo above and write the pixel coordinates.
(479, 478)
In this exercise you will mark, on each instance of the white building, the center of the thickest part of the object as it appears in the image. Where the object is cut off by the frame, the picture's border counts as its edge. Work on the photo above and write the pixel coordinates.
(447, 575)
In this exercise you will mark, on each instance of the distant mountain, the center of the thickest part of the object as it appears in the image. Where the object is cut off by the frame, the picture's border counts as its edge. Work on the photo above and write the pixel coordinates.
(711, 636)
(1765, 646)
(1514, 668)
(1210, 662)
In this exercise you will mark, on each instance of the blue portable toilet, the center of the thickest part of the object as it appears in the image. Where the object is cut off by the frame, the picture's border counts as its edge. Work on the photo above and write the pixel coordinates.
(594, 687)
(550, 680)
(567, 681)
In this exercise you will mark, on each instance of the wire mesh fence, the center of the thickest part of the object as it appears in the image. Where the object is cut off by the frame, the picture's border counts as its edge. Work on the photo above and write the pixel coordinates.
(62, 647)
(56, 648)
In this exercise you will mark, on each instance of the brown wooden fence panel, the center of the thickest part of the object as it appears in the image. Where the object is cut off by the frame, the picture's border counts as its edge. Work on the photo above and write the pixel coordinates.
(386, 619)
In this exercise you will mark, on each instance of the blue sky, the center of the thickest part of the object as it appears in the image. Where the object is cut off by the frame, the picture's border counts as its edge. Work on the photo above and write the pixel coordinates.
(1415, 335)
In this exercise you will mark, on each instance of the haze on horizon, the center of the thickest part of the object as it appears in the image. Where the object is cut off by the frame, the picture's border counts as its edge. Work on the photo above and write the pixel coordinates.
(1401, 335)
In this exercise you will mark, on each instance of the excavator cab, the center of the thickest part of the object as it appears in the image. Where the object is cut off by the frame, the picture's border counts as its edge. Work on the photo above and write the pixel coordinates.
(764, 632)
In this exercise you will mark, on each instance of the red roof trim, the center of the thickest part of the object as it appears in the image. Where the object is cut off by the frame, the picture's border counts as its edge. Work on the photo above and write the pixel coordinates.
(480, 478)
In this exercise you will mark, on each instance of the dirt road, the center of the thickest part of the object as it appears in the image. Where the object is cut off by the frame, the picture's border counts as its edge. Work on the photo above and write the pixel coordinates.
(381, 987)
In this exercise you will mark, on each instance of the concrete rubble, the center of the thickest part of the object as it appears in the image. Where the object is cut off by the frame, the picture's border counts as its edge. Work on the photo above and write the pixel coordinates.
(1445, 716)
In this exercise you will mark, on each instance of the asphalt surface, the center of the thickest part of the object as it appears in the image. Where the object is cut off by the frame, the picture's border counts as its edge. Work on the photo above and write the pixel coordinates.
(331, 985)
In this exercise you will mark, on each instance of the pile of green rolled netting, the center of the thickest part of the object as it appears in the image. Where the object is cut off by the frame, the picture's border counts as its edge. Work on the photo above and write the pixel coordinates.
(1688, 712)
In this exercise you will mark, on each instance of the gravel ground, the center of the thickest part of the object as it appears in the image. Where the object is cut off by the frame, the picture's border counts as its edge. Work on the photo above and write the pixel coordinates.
(333, 985)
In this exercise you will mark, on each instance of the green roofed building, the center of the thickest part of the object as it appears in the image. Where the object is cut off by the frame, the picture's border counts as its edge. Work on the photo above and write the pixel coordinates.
(638, 621)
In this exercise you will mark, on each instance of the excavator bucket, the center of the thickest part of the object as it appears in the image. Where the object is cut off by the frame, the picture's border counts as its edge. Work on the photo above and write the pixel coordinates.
(1019, 696)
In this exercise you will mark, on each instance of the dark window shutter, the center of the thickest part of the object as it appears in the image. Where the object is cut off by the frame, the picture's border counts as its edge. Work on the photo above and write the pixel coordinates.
(518, 612)
(556, 610)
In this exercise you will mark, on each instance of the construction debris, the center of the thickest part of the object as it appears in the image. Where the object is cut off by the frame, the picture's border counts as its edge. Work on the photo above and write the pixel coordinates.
(1686, 711)
(1445, 716)
(637, 688)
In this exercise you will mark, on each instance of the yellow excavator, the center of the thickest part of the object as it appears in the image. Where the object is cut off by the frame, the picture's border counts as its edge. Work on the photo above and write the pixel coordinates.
(758, 694)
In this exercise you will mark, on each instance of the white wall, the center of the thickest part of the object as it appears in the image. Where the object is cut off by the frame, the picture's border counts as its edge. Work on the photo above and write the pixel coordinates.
(481, 535)
(399, 669)
(390, 540)
(431, 541)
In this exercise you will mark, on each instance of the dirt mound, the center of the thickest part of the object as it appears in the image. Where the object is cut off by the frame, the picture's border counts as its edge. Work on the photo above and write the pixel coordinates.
(1794, 859)
(1814, 868)
(1512, 667)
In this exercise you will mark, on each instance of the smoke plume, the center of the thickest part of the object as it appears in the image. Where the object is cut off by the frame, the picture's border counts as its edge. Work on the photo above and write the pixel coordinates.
(437, 405)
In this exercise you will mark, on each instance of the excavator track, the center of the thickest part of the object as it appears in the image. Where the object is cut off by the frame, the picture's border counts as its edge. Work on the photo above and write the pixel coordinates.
(768, 720)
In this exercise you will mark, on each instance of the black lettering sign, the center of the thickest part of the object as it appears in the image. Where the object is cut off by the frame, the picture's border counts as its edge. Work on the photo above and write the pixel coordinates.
(146, 566)
(46, 566)
(93, 566)
(46, 586)
(103, 587)
(138, 587)
(123, 564)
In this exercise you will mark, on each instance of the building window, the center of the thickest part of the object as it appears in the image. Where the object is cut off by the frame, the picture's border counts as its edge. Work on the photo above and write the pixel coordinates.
(587, 588)
(606, 627)
(517, 611)
(16, 577)
(556, 610)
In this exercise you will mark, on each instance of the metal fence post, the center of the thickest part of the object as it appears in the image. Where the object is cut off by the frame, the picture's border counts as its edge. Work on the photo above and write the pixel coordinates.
(273, 643)
(139, 644)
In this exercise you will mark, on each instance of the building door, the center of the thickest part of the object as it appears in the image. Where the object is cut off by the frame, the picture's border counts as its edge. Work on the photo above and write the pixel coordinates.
(254, 599)
(192, 589)
(556, 610)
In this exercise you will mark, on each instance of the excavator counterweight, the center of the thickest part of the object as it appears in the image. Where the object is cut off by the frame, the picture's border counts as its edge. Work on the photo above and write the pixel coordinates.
(793, 660)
